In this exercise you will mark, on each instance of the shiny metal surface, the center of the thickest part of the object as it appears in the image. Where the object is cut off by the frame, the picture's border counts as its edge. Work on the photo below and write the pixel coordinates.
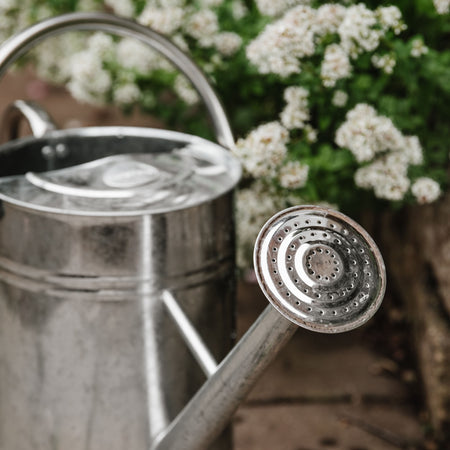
(90, 358)
(38, 119)
(320, 269)
(210, 410)
(190, 335)
(19, 44)
(115, 171)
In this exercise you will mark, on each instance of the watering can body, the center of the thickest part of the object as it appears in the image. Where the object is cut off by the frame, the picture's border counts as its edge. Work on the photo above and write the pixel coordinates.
(89, 357)
(95, 224)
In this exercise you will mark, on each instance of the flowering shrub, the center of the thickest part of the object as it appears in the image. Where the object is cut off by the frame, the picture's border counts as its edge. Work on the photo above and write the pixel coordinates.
(345, 102)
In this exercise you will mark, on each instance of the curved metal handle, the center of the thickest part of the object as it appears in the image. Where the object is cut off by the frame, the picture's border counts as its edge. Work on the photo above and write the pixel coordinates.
(17, 45)
(39, 120)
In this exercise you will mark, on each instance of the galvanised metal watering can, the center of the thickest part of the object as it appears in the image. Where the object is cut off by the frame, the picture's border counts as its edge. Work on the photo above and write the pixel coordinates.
(117, 250)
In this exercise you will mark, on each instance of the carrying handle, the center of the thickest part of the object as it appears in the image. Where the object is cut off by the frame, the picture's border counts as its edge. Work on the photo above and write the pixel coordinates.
(38, 119)
(19, 44)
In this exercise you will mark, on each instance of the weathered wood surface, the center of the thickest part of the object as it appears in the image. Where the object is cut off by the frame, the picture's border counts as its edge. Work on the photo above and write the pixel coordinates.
(416, 245)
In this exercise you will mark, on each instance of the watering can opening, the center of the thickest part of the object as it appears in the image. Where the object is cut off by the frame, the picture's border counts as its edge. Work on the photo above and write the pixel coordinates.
(115, 170)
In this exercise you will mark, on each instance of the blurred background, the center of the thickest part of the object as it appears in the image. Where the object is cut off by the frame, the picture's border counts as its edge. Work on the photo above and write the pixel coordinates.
(358, 121)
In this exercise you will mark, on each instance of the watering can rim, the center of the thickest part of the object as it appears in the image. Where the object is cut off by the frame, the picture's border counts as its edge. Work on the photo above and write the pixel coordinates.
(218, 154)
(28, 38)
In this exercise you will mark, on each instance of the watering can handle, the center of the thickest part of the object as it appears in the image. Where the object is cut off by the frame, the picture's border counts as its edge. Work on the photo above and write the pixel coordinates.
(19, 44)
(38, 119)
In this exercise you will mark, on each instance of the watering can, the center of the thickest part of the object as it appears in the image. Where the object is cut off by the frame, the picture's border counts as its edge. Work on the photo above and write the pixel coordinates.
(117, 275)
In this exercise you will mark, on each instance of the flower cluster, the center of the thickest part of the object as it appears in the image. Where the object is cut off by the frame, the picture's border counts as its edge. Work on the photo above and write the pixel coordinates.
(282, 45)
(255, 206)
(296, 112)
(385, 62)
(371, 137)
(358, 31)
(425, 190)
(274, 8)
(263, 150)
(293, 175)
(340, 98)
(418, 48)
(298, 78)
(335, 65)
(90, 76)
(442, 6)
(366, 134)
(279, 48)
(387, 176)
(89, 80)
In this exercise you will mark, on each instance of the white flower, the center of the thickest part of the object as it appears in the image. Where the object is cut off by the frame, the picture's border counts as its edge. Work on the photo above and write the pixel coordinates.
(281, 44)
(185, 91)
(328, 18)
(296, 95)
(296, 112)
(274, 8)
(202, 26)
(425, 190)
(293, 175)
(89, 81)
(87, 5)
(386, 176)
(263, 150)
(126, 94)
(418, 48)
(121, 7)
(357, 30)
(310, 134)
(390, 17)
(101, 44)
(179, 40)
(210, 3)
(442, 6)
(255, 205)
(133, 54)
(84, 94)
(238, 9)
(365, 133)
(53, 56)
(385, 62)
(413, 150)
(340, 98)
(166, 20)
(6, 5)
(335, 65)
(392, 188)
(227, 43)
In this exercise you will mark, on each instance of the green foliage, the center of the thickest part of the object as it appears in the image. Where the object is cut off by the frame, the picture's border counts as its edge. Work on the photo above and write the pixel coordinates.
(415, 96)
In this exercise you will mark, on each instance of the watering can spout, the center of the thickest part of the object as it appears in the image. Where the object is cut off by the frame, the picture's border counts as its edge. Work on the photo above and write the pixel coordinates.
(320, 270)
